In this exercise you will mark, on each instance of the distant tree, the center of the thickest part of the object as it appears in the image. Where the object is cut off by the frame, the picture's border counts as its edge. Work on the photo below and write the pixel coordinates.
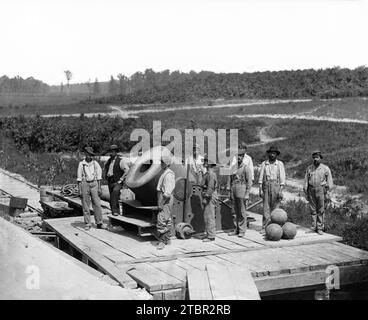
(123, 84)
(61, 88)
(96, 88)
(89, 87)
(113, 87)
(68, 75)
(137, 81)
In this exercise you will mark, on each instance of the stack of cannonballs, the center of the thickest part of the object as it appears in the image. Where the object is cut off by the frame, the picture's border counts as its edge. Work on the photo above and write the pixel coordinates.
(279, 228)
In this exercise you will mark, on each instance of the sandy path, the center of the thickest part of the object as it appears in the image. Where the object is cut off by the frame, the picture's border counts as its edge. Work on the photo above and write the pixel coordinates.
(298, 117)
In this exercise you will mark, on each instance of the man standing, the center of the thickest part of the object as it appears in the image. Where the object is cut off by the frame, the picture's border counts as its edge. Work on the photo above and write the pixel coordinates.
(241, 182)
(247, 160)
(116, 170)
(89, 175)
(195, 162)
(317, 185)
(165, 201)
(271, 182)
(209, 199)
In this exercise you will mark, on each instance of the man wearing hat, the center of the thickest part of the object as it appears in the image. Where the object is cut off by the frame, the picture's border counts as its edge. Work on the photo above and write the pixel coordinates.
(165, 201)
(317, 185)
(247, 160)
(241, 183)
(209, 199)
(271, 182)
(116, 170)
(89, 175)
(195, 162)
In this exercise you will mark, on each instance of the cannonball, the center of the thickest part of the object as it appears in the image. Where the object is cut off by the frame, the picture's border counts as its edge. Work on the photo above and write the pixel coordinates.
(289, 230)
(279, 216)
(273, 232)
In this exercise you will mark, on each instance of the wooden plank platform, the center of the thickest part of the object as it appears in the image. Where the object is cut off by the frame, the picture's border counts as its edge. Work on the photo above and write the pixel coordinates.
(275, 266)
(231, 283)
(31, 269)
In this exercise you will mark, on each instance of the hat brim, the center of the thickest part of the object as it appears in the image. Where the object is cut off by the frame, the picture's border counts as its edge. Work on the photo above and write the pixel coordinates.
(276, 151)
(317, 154)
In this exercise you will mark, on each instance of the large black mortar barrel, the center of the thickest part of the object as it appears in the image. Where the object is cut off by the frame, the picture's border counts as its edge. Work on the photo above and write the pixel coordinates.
(143, 176)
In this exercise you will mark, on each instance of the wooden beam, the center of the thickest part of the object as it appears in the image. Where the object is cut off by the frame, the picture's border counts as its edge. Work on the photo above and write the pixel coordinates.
(198, 285)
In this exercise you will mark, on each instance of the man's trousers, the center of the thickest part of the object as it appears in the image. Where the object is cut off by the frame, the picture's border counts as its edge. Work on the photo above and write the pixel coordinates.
(271, 200)
(114, 190)
(90, 191)
(316, 198)
(240, 215)
(164, 220)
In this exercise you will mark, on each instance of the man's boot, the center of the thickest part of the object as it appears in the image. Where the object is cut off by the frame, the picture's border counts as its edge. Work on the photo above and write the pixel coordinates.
(160, 245)
(233, 233)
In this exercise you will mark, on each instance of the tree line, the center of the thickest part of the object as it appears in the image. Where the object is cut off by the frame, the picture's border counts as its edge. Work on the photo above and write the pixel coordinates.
(18, 85)
(175, 86)
(161, 87)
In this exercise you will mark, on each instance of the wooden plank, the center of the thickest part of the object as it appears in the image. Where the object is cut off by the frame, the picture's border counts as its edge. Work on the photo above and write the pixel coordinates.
(241, 241)
(60, 278)
(198, 285)
(225, 243)
(233, 283)
(173, 294)
(229, 261)
(171, 269)
(356, 252)
(313, 261)
(250, 264)
(153, 279)
(266, 263)
(84, 266)
(341, 251)
(290, 260)
(77, 202)
(348, 275)
(57, 205)
(143, 223)
(199, 262)
(92, 248)
(182, 264)
(335, 257)
(304, 249)
(244, 284)
(122, 244)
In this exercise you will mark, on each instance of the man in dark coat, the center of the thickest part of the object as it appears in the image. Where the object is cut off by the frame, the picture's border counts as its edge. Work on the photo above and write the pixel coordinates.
(116, 170)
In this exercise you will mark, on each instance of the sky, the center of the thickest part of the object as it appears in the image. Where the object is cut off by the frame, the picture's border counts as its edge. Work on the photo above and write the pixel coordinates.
(100, 38)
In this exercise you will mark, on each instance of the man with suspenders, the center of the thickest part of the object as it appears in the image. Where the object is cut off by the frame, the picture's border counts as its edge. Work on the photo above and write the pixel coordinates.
(89, 176)
(317, 186)
(271, 182)
(165, 202)
(209, 199)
